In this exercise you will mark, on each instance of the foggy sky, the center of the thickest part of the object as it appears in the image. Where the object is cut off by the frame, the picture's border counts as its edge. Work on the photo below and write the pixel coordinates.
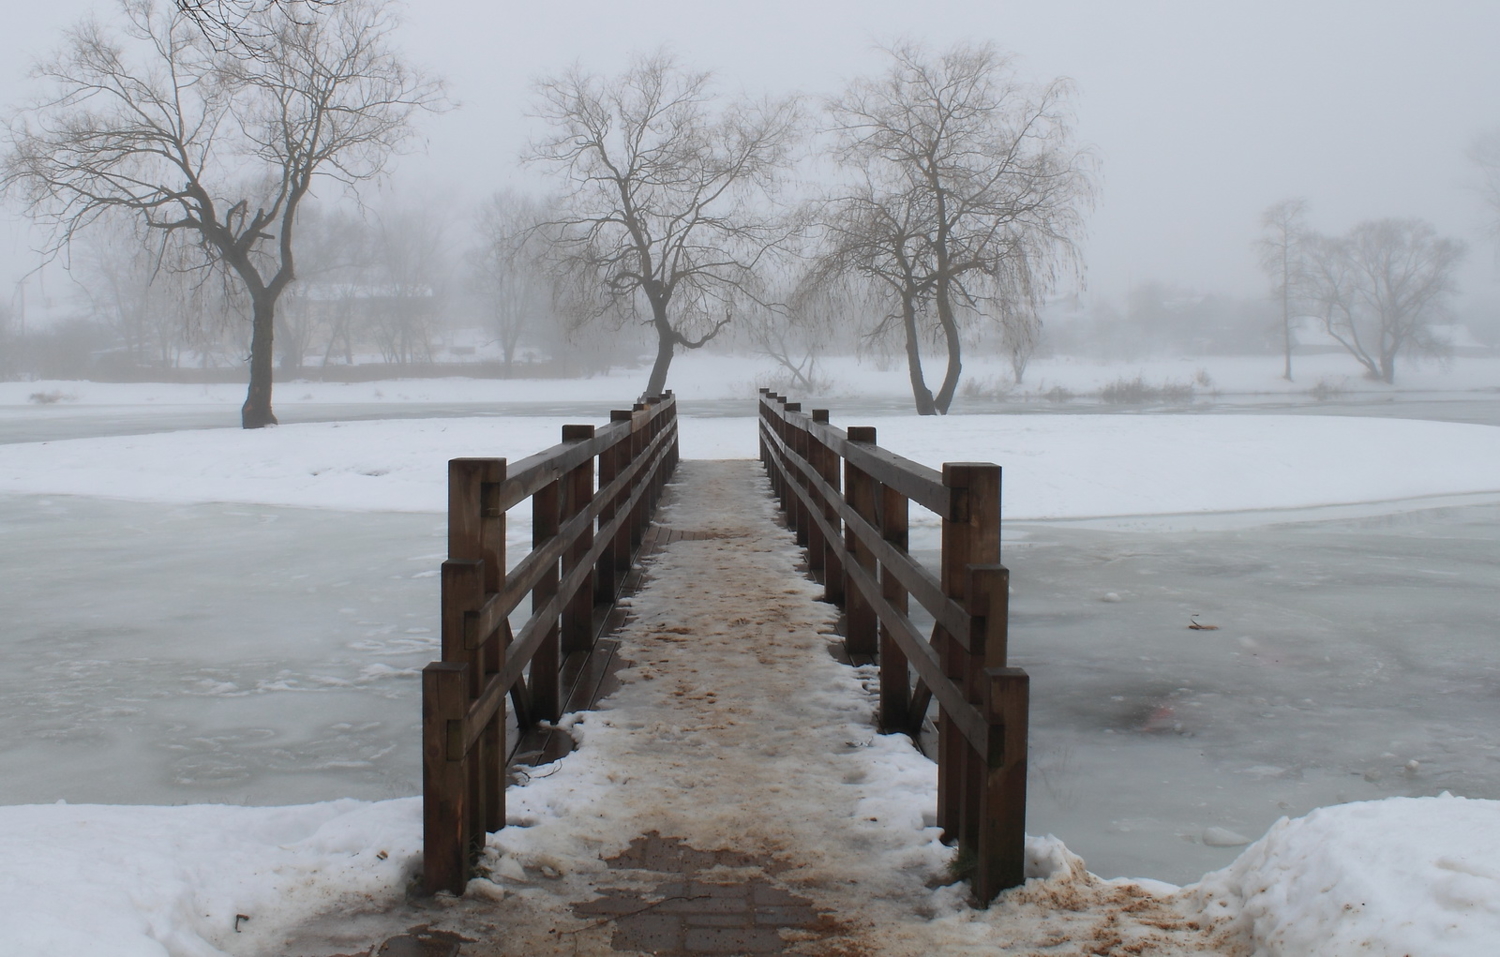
(1202, 113)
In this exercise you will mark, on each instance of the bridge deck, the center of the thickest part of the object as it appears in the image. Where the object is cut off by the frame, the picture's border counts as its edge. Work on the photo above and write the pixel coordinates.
(733, 797)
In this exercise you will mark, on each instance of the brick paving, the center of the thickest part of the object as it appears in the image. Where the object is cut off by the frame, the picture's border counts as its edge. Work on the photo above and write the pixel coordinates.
(696, 909)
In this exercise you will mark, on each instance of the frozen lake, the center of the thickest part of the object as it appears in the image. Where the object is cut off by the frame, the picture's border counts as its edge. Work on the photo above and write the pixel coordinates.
(171, 654)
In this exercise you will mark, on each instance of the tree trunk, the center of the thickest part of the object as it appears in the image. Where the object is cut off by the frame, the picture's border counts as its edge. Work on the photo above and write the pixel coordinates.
(955, 360)
(256, 412)
(919, 391)
(657, 384)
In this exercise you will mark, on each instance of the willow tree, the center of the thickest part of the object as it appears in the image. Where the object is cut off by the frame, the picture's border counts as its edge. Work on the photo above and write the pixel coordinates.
(667, 215)
(152, 120)
(972, 190)
(1381, 287)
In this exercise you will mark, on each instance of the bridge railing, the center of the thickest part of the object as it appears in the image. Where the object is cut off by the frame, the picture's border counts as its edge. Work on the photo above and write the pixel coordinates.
(848, 501)
(584, 537)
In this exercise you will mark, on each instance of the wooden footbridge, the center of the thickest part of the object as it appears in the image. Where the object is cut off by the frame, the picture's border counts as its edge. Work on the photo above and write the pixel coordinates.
(847, 500)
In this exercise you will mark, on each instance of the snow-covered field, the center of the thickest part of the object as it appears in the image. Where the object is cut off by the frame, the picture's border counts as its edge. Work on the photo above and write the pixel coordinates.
(1402, 875)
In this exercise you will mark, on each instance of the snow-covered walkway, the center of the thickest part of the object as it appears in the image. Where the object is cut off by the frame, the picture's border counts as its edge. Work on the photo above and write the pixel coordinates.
(733, 796)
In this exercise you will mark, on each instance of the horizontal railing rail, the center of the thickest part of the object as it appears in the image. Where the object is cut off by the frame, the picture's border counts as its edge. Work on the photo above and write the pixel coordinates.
(592, 498)
(848, 501)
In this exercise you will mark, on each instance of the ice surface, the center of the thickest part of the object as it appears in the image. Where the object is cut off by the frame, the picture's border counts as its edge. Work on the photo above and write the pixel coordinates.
(183, 648)
(165, 654)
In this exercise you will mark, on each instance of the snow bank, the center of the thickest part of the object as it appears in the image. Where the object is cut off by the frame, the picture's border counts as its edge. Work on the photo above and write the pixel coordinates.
(383, 466)
(1086, 466)
(1056, 467)
(1388, 878)
(154, 881)
(699, 376)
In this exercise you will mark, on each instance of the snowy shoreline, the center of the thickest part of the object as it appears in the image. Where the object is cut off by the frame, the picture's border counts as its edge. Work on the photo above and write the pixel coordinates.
(1390, 877)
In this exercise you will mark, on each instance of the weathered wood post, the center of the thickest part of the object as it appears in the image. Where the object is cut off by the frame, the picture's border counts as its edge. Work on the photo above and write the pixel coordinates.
(623, 456)
(463, 794)
(445, 785)
(577, 495)
(546, 677)
(765, 453)
(812, 452)
(796, 512)
(971, 536)
(827, 464)
(656, 481)
(639, 516)
(895, 677)
(860, 493)
(1000, 812)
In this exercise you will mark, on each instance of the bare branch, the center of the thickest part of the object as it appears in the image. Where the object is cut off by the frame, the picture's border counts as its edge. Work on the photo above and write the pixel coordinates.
(970, 195)
(155, 122)
(668, 211)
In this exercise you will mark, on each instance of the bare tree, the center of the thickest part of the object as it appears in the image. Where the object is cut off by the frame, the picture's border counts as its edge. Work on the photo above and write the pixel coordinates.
(973, 190)
(152, 291)
(1380, 287)
(793, 319)
(880, 238)
(406, 281)
(225, 148)
(510, 271)
(241, 25)
(1280, 251)
(668, 208)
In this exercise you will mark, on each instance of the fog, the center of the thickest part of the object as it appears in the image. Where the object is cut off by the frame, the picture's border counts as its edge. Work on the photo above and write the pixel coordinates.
(1202, 115)
(412, 302)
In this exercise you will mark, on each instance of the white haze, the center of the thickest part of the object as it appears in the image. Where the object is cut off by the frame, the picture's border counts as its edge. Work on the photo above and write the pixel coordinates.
(1202, 114)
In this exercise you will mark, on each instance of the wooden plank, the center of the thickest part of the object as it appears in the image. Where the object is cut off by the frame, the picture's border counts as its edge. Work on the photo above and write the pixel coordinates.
(895, 677)
(1000, 861)
(989, 606)
(860, 629)
(531, 473)
(919, 582)
(546, 693)
(523, 577)
(967, 720)
(445, 864)
(531, 633)
(916, 481)
(577, 498)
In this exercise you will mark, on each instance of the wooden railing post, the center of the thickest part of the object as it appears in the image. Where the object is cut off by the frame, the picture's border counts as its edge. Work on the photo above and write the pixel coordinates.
(765, 453)
(860, 635)
(545, 683)
(669, 420)
(895, 678)
(464, 695)
(1000, 794)
(463, 793)
(623, 456)
(971, 536)
(827, 466)
(639, 439)
(812, 451)
(445, 787)
(578, 494)
(796, 512)
(982, 726)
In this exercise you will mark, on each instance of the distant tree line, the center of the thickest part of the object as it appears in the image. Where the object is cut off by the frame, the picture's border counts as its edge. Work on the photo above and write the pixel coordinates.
(1378, 290)
(925, 211)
